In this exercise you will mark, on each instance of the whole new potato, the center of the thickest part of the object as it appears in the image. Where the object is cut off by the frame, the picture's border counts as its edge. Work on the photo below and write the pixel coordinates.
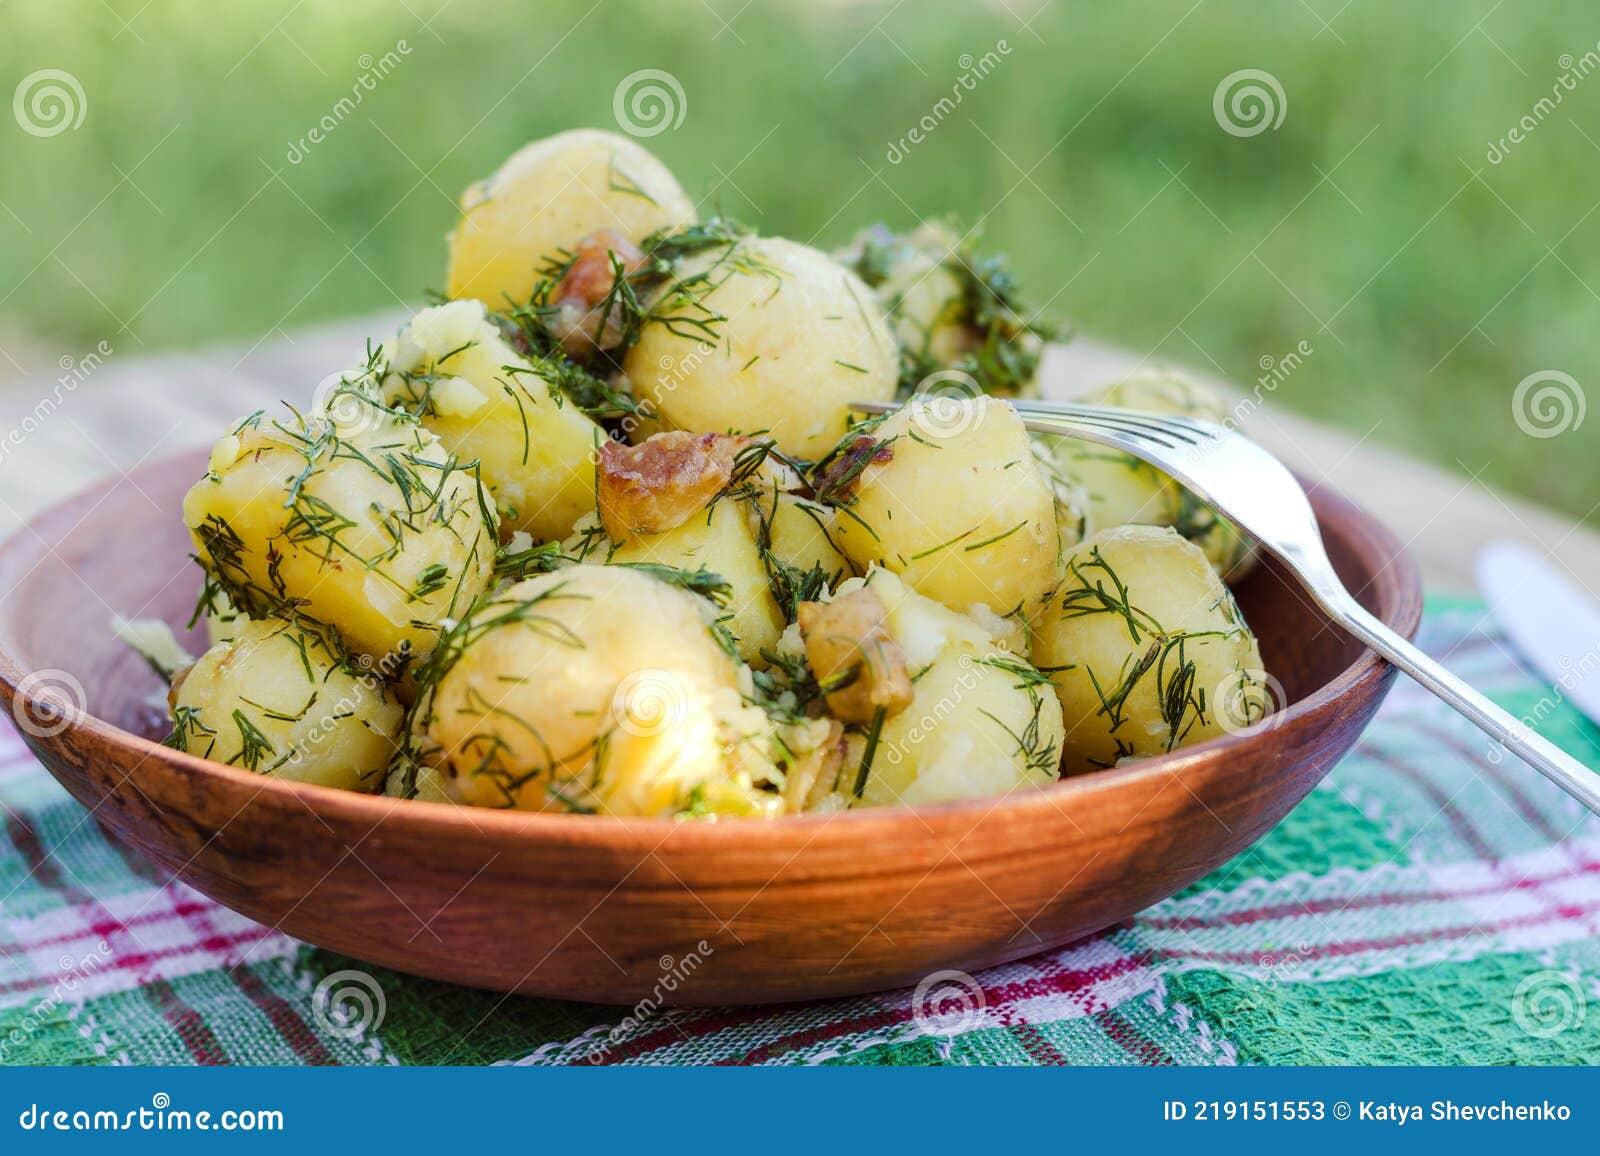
(594, 688)
(284, 700)
(545, 199)
(1147, 649)
(950, 496)
(763, 336)
(351, 517)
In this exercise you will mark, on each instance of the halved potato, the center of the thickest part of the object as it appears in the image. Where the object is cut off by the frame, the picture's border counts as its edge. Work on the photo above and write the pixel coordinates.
(454, 371)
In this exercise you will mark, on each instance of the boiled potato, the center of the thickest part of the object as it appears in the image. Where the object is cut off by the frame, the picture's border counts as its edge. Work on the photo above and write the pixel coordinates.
(547, 197)
(763, 336)
(1123, 489)
(454, 371)
(980, 720)
(687, 501)
(1072, 501)
(721, 540)
(595, 688)
(284, 700)
(953, 500)
(352, 517)
(409, 780)
(801, 535)
(1118, 488)
(952, 309)
(1147, 649)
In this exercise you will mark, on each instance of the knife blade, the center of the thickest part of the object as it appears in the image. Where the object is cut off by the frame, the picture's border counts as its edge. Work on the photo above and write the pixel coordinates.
(1553, 623)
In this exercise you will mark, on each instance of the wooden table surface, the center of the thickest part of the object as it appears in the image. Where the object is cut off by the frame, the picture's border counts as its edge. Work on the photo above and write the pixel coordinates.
(131, 409)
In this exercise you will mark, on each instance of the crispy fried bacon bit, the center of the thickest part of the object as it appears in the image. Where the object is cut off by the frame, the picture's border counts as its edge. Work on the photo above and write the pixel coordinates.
(585, 315)
(857, 663)
(663, 481)
(836, 481)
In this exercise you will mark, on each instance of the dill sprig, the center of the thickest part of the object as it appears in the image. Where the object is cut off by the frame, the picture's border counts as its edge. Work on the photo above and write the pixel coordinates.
(700, 581)
(1001, 341)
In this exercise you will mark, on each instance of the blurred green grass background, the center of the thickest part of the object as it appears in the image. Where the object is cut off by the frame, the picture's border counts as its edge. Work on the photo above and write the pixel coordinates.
(1427, 281)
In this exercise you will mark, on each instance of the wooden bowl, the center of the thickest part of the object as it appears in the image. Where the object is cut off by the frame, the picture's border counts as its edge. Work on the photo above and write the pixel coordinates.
(610, 910)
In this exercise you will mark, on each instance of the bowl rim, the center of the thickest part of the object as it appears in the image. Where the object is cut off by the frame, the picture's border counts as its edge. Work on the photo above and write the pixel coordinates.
(1363, 679)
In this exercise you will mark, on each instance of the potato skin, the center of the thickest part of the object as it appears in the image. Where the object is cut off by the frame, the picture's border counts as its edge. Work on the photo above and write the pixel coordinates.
(363, 521)
(594, 688)
(1144, 643)
(958, 507)
(794, 338)
(981, 720)
(546, 197)
(282, 700)
(487, 404)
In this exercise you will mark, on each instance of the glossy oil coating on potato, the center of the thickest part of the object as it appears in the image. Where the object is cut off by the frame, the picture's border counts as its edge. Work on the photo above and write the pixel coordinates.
(351, 517)
(594, 688)
(456, 373)
(980, 720)
(953, 500)
(763, 336)
(1147, 649)
(286, 701)
(548, 197)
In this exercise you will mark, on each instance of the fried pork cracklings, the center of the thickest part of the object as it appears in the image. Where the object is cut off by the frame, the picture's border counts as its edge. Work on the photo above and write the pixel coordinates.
(600, 533)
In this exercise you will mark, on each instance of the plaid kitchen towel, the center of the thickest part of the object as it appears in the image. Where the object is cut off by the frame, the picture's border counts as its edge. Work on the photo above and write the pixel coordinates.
(1429, 903)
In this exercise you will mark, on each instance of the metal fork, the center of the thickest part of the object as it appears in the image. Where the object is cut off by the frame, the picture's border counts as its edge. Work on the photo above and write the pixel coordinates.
(1258, 493)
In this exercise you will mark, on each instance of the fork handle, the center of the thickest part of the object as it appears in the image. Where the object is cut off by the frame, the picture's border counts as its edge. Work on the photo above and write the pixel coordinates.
(1510, 732)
